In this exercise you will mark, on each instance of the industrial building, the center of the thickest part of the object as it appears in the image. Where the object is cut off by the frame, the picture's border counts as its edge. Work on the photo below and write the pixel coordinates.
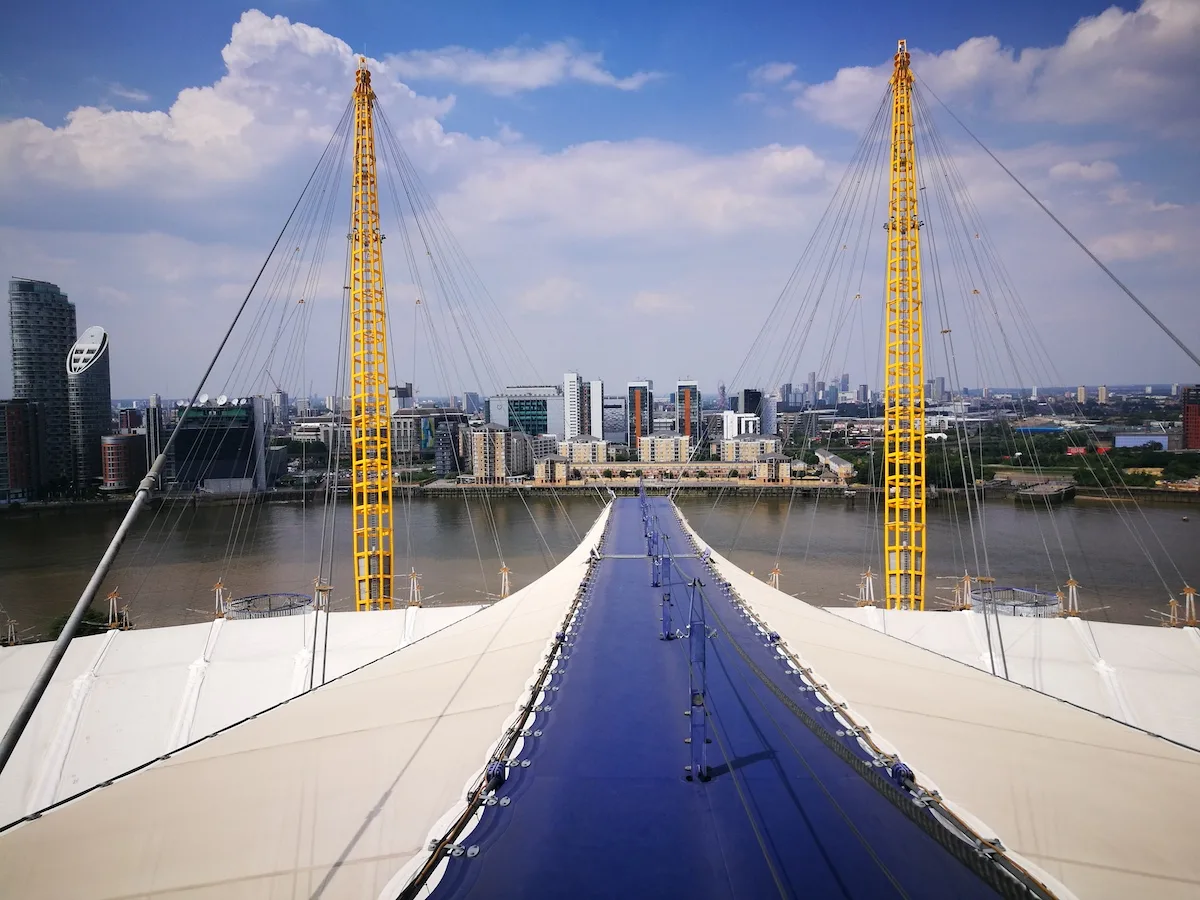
(221, 448)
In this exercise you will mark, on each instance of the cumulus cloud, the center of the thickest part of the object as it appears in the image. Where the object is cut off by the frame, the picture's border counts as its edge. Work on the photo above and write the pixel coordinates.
(155, 220)
(639, 188)
(1139, 67)
(511, 70)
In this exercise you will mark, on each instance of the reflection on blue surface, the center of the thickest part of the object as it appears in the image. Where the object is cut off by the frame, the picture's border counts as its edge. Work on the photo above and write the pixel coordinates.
(606, 808)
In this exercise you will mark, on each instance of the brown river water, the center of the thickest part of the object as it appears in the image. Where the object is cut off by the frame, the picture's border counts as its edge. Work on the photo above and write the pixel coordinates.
(1125, 560)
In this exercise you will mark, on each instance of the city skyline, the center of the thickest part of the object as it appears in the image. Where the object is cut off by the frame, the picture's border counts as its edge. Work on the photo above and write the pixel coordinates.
(614, 217)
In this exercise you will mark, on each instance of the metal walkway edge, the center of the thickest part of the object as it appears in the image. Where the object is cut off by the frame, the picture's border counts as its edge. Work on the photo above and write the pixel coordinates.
(600, 805)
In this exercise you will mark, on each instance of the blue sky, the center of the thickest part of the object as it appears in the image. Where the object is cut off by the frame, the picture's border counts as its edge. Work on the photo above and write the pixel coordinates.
(662, 162)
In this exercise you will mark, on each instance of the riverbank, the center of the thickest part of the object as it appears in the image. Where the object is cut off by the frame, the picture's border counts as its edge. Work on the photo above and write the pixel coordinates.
(620, 487)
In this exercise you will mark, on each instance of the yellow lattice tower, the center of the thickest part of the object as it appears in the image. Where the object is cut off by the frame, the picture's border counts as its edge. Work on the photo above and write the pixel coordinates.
(904, 386)
(370, 425)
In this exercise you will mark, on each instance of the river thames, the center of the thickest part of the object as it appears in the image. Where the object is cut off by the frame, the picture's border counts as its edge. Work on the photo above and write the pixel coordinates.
(1125, 560)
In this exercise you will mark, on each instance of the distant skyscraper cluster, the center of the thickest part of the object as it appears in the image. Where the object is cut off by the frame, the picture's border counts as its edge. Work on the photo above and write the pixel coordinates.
(62, 399)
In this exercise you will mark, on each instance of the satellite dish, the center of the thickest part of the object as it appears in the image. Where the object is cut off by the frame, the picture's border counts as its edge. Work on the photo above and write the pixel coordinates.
(181, 403)
(222, 400)
(202, 399)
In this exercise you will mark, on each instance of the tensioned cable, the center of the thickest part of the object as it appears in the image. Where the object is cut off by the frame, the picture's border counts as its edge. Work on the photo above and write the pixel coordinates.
(1082, 246)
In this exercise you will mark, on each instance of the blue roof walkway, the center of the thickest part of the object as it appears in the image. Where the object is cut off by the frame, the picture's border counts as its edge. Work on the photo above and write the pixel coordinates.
(605, 806)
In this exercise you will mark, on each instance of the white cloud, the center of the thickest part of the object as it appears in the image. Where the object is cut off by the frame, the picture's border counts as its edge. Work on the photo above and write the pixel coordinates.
(772, 72)
(1138, 68)
(1137, 244)
(285, 86)
(511, 70)
(135, 95)
(604, 189)
(552, 295)
(651, 302)
(155, 221)
(1100, 170)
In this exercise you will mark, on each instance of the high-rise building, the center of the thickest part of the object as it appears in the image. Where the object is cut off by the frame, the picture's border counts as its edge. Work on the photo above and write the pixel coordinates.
(939, 389)
(42, 321)
(749, 401)
(472, 403)
(445, 451)
(154, 428)
(1190, 397)
(89, 403)
(722, 400)
(785, 393)
(831, 397)
(639, 408)
(687, 411)
(22, 450)
(128, 418)
(615, 420)
(1081, 394)
(1102, 394)
(576, 408)
(845, 386)
(864, 393)
(280, 407)
(595, 391)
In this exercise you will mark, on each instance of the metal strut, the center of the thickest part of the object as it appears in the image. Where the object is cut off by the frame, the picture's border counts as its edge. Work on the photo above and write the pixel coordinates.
(370, 422)
(904, 384)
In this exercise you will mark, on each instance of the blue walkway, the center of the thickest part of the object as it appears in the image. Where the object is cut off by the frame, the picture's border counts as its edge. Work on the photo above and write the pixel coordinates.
(605, 807)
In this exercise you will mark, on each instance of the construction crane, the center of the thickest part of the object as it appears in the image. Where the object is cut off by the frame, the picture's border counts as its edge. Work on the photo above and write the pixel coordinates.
(904, 385)
(370, 418)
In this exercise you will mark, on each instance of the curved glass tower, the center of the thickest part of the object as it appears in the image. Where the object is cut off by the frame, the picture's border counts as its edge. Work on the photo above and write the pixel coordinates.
(42, 321)
(89, 397)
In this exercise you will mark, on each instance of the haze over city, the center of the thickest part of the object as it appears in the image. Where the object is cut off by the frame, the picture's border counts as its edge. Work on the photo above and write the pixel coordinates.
(633, 198)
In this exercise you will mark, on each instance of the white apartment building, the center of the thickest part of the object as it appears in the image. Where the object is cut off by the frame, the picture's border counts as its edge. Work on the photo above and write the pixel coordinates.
(663, 448)
(748, 448)
(735, 424)
(498, 454)
(584, 450)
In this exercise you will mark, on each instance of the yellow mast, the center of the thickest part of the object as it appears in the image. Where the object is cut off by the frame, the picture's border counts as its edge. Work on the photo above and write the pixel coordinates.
(370, 421)
(904, 386)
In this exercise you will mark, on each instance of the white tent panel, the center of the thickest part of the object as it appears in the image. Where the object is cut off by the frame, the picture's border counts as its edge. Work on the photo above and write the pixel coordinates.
(335, 789)
(1107, 810)
(122, 698)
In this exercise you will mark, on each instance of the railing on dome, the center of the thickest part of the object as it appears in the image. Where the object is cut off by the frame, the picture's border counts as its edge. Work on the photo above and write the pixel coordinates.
(267, 606)
(1015, 601)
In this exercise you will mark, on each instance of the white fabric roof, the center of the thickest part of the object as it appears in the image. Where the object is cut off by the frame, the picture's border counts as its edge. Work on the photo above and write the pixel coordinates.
(333, 791)
(123, 698)
(1106, 810)
(1143, 675)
